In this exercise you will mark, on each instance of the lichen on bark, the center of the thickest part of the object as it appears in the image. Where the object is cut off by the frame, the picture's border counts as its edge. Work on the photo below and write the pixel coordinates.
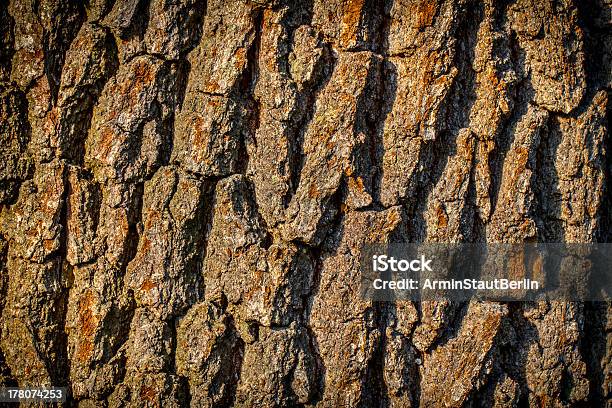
(185, 188)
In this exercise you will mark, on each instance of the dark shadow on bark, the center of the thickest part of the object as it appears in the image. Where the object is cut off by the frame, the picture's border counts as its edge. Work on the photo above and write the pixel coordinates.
(455, 313)
(7, 41)
(243, 94)
(17, 134)
(375, 104)
(514, 355)
(78, 112)
(56, 42)
(319, 254)
(302, 114)
(61, 366)
(593, 348)
(6, 378)
(183, 68)
(523, 94)
(225, 381)
(319, 370)
(545, 183)
(509, 356)
(138, 26)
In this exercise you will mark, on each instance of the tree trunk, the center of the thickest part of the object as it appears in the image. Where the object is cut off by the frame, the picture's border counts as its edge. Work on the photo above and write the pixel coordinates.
(186, 186)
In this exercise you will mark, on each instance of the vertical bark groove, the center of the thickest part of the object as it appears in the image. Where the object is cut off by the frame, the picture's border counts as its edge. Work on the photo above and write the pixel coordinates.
(186, 186)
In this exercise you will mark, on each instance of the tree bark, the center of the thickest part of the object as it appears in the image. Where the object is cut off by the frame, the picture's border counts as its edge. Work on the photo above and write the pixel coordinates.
(186, 186)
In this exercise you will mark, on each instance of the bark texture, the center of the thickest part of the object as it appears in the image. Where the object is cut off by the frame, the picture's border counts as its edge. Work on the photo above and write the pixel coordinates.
(185, 187)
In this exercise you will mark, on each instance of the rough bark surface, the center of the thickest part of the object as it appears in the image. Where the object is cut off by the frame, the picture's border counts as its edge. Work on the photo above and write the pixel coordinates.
(185, 187)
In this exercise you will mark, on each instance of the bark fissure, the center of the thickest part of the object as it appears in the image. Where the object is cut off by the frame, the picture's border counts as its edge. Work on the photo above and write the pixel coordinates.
(186, 188)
